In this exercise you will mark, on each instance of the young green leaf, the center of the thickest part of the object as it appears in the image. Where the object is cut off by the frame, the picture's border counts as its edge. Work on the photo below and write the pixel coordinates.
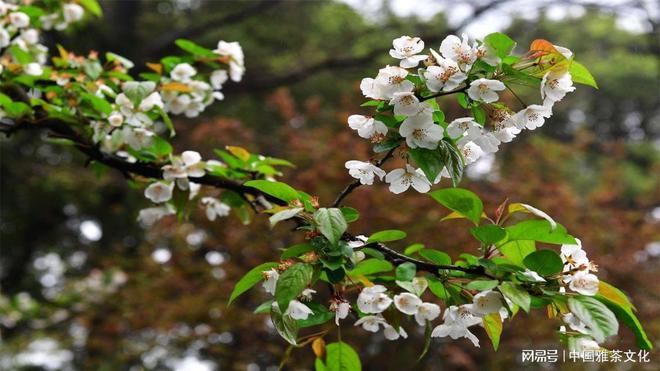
(296, 250)
(286, 326)
(581, 74)
(250, 279)
(386, 236)
(368, 267)
(489, 233)
(493, 327)
(341, 357)
(600, 321)
(545, 262)
(321, 314)
(350, 214)
(431, 161)
(460, 200)
(541, 231)
(502, 43)
(406, 271)
(291, 283)
(278, 190)
(410, 250)
(516, 251)
(284, 215)
(482, 285)
(517, 295)
(330, 223)
(625, 314)
(435, 256)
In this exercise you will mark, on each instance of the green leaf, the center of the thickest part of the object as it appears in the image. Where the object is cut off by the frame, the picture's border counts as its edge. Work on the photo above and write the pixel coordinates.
(435, 256)
(350, 214)
(373, 253)
(405, 272)
(600, 321)
(92, 6)
(428, 331)
(615, 295)
(368, 267)
(626, 315)
(489, 233)
(516, 251)
(517, 295)
(410, 250)
(296, 250)
(291, 283)
(166, 120)
(321, 315)
(99, 104)
(581, 74)
(502, 43)
(278, 190)
(460, 200)
(386, 145)
(479, 115)
(482, 285)
(541, 231)
(250, 279)
(21, 56)
(194, 49)
(493, 327)
(545, 262)
(453, 160)
(430, 161)
(386, 236)
(341, 357)
(331, 223)
(286, 326)
(264, 307)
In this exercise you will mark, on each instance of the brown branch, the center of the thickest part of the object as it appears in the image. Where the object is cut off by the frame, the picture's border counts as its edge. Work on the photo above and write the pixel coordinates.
(356, 183)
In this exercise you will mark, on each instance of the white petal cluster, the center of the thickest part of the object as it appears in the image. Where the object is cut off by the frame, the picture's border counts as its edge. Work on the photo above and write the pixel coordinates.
(197, 93)
(373, 299)
(445, 71)
(457, 320)
(374, 323)
(577, 268)
(234, 52)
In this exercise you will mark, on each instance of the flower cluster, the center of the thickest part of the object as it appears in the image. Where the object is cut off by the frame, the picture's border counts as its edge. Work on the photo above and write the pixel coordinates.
(478, 73)
(20, 29)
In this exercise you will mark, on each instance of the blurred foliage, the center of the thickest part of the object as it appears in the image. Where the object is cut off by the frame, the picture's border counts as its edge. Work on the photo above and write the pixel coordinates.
(595, 167)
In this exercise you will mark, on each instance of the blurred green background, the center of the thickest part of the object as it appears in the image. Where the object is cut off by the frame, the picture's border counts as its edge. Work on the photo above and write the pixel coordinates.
(85, 287)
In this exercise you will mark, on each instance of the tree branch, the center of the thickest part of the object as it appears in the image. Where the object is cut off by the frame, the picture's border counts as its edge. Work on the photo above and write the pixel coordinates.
(356, 183)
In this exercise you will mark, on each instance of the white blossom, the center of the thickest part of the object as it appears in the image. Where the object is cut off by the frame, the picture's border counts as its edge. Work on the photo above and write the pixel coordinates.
(405, 103)
(401, 179)
(420, 130)
(485, 90)
(5, 39)
(406, 48)
(298, 310)
(390, 80)
(486, 302)
(407, 303)
(532, 117)
(359, 241)
(532, 276)
(373, 299)
(214, 208)
(116, 119)
(307, 293)
(446, 76)
(19, 19)
(159, 191)
(234, 51)
(371, 323)
(555, 85)
(574, 323)
(471, 152)
(218, 77)
(457, 319)
(341, 309)
(391, 333)
(72, 12)
(137, 138)
(486, 53)
(183, 72)
(574, 256)
(364, 171)
(584, 283)
(33, 69)
(188, 165)
(366, 126)
(427, 312)
(270, 280)
(147, 217)
(459, 51)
